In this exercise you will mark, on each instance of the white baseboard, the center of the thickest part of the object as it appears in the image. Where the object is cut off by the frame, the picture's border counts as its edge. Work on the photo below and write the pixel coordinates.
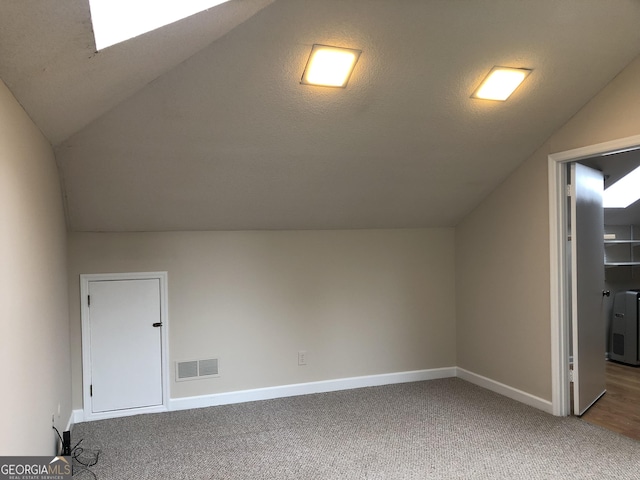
(72, 420)
(324, 386)
(269, 393)
(78, 416)
(506, 390)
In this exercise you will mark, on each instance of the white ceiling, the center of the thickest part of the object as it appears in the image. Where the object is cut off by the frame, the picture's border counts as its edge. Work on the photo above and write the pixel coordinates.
(203, 125)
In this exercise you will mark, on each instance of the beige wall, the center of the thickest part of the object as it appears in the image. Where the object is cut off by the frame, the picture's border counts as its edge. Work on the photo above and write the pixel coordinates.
(502, 251)
(34, 322)
(360, 302)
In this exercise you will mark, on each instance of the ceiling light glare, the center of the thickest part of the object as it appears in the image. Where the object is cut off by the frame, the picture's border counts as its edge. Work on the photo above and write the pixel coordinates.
(500, 83)
(624, 192)
(115, 21)
(330, 66)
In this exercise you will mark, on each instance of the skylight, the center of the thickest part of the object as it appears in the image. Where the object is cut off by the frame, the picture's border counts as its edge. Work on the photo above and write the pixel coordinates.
(115, 21)
(624, 192)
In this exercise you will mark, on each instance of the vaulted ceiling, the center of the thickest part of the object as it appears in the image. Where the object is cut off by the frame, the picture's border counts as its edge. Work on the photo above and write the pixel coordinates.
(204, 125)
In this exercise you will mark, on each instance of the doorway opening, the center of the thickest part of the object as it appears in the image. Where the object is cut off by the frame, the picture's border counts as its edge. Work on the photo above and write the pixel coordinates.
(561, 291)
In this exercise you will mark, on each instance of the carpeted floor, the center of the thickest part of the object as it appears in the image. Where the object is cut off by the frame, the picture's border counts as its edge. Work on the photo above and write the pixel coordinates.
(440, 429)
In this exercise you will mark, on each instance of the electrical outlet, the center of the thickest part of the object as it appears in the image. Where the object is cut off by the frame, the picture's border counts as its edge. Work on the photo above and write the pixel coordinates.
(302, 357)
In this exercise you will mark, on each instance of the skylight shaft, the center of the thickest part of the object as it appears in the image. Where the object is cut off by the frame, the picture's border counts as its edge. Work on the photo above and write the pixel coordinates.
(115, 21)
(624, 192)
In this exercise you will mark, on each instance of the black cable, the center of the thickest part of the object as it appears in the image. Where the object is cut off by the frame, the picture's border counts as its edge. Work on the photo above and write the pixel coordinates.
(83, 463)
(54, 427)
(76, 445)
(77, 452)
(61, 441)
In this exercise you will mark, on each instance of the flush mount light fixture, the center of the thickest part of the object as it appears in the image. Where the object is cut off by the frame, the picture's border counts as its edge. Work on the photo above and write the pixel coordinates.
(330, 66)
(624, 192)
(500, 83)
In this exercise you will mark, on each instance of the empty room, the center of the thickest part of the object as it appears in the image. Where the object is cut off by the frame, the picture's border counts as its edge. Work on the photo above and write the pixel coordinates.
(285, 239)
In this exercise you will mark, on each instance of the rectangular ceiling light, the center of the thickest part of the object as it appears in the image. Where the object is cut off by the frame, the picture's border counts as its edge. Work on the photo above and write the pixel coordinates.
(500, 83)
(330, 66)
(624, 192)
(115, 21)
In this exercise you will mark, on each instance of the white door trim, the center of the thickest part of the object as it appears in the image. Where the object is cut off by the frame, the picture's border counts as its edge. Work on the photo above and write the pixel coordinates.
(560, 295)
(86, 342)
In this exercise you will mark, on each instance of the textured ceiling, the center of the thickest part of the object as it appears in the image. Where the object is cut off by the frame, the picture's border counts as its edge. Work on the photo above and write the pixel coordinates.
(228, 138)
(48, 59)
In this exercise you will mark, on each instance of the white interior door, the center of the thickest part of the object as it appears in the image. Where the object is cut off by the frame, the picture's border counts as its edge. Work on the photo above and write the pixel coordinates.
(587, 274)
(124, 320)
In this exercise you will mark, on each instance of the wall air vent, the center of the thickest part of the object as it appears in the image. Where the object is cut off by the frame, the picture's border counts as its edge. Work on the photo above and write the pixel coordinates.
(186, 370)
(208, 368)
(197, 369)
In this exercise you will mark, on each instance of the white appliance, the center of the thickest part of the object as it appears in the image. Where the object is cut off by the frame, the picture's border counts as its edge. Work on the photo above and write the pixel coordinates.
(624, 328)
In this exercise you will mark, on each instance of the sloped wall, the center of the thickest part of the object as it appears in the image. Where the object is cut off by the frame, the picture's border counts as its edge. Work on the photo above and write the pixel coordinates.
(34, 321)
(502, 251)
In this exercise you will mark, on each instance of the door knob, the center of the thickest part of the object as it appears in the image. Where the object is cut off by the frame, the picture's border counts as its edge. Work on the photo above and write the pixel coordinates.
(157, 324)
(606, 293)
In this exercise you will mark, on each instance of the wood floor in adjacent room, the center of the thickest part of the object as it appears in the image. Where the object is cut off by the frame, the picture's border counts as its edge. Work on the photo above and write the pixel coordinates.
(619, 408)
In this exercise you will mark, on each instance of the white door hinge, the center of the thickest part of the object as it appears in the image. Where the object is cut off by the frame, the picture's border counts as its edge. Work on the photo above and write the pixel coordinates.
(571, 376)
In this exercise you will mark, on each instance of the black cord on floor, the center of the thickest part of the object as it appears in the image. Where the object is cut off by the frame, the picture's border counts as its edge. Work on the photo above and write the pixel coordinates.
(82, 459)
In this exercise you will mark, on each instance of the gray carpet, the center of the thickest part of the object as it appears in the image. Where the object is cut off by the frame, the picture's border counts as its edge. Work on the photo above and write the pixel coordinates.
(440, 429)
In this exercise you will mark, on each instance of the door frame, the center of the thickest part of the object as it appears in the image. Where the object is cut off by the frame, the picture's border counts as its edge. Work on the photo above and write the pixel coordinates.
(85, 279)
(560, 298)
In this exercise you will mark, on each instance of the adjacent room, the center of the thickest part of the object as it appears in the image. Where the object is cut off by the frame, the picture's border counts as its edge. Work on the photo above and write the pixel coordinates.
(618, 409)
(197, 216)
